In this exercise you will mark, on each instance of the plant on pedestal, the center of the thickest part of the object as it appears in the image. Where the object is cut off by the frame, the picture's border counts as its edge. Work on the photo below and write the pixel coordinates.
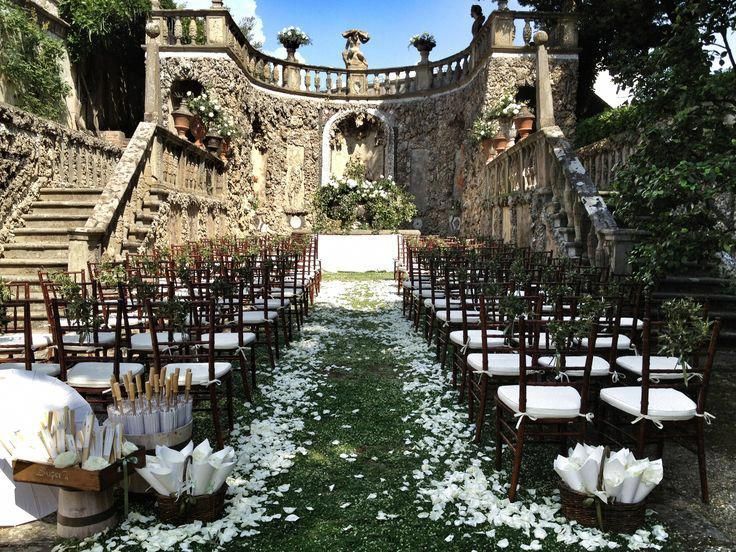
(206, 110)
(292, 38)
(483, 131)
(424, 43)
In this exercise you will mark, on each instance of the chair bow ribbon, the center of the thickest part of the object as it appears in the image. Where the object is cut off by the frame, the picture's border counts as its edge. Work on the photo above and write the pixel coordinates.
(656, 421)
(521, 416)
(707, 416)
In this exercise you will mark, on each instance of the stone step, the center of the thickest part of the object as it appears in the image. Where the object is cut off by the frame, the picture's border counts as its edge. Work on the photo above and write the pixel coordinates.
(702, 285)
(139, 230)
(77, 207)
(55, 220)
(30, 266)
(36, 250)
(65, 194)
(152, 205)
(46, 234)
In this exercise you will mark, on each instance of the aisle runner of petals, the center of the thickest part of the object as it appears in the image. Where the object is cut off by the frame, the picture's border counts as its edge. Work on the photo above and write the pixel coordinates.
(455, 481)
(266, 448)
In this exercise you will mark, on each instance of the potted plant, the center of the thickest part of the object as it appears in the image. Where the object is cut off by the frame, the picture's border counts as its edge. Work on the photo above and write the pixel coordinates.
(229, 132)
(483, 131)
(504, 110)
(500, 142)
(292, 38)
(424, 43)
(524, 122)
(206, 110)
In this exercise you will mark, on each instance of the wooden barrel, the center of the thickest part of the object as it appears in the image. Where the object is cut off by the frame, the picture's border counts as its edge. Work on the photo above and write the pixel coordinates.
(82, 514)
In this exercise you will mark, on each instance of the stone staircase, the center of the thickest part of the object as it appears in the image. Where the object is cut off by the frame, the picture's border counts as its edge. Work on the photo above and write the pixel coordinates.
(42, 240)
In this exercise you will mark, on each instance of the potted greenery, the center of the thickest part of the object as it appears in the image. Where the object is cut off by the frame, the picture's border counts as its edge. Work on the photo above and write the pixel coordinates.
(292, 38)
(685, 331)
(206, 110)
(483, 131)
(228, 131)
(524, 122)
(424, 43)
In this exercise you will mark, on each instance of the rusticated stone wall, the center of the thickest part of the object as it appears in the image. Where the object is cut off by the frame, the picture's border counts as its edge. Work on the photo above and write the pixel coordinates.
(431, 153)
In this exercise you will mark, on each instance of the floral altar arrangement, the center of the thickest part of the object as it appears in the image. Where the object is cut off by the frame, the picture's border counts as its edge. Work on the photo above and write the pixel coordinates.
(354, 202)
(292, 38)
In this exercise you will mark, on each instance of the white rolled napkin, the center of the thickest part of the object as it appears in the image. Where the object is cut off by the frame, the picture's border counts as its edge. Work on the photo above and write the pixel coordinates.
(175, 460)
(651, 477)
(578, 455)
(153, 480)
(632, 477)
(202, 452)
(200, 476)
(222, 471)
(591, 469)
(613, 477)
(569, 472)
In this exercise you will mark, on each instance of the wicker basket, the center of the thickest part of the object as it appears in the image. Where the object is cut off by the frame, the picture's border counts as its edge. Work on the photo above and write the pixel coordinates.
(592, 512)
(187, 508)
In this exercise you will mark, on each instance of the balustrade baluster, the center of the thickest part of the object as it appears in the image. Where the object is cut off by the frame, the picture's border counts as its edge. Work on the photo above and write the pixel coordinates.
(317, 83)
(527, 34)
(177, 31)
(308, 80)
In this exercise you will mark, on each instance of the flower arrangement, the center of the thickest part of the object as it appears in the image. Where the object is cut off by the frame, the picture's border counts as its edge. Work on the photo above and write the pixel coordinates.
(353, 202)
(225, 127)
(205, 106)
(293, 37)
(484, 128)
(685, 331)
(424, 41)
(505, 107)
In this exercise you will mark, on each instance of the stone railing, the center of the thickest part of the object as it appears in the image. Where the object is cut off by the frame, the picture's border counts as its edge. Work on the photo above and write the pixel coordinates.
(537, 193)
(603, 158)
(213, 30)
(37, 153)
(155, 159)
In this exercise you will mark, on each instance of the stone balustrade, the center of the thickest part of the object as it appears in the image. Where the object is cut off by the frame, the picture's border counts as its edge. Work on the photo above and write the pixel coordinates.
(603, 158)
(155, 162)
(537, 193)
(213, 30)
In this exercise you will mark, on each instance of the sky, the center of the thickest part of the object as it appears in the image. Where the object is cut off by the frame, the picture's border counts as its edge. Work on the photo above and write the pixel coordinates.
(391, 23)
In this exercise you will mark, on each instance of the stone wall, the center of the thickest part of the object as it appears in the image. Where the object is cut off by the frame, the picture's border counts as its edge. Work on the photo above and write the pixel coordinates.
(36, 153)
(284, 141)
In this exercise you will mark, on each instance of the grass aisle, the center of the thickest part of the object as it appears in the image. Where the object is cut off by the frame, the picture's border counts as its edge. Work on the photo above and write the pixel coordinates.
(356, 443)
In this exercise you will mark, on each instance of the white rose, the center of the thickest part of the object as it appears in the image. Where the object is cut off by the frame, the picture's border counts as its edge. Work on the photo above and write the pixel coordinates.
(95, 463)
(66, 459)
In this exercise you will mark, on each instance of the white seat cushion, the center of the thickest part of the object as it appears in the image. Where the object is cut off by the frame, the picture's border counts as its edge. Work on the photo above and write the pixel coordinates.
(441, 303)
(273, 303)
(475, 338)
(98, 374)
(499, 364)
(664, 403)
(456, 316)
(598, 368)
(200, 371)
(103, 338)
(143, 341)
(229, 341)
(656, 364)
(606, 342)
(543, 401)
(258, 317)
(427, 293)
(38, 341)
(628, 322)
(45, 368)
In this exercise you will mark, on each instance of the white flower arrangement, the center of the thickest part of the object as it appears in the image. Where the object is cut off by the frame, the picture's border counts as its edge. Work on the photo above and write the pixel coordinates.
(293, 37)
(484, 128)
(506, 106)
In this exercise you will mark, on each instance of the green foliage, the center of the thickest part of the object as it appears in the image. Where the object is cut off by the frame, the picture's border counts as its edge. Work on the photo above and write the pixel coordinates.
(5, 296)
(607, 124)
(30, 61)
(81, 311)
(248, 25)
(355, 202)
(685, 331)
(684, 159)
(484, 128)
(176, 311)
(112, 274)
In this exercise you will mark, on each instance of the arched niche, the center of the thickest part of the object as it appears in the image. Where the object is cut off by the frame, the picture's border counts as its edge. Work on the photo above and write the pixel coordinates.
(367, 135)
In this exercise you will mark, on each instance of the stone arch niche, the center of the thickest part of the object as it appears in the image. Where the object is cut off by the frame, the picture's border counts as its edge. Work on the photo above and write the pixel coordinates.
(365, 135)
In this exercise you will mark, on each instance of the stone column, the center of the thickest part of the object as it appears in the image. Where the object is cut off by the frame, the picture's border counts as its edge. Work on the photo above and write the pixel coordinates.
(153, 112)
(619, 242)
(424, 71)
(545, 106)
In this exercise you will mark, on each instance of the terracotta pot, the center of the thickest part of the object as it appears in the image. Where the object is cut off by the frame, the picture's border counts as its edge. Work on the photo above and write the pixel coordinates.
(500, 142)
(524, 123)
(225, 150)
(199, 131)
(486, 147)
(182, 120)
(213, 142)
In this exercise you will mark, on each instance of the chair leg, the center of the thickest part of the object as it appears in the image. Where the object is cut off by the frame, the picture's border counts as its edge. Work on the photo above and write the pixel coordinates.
(269, 346)
(518, 452)
(499, 441)
(229, 391)
(700, 438)
(481, 415)
(215, 408)
(253, 366)
(245, 377)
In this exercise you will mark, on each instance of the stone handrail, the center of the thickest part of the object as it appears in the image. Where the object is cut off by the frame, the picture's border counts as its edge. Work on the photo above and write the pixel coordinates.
(154, 158)
(541, 179)
(505, 31)
(603, 158)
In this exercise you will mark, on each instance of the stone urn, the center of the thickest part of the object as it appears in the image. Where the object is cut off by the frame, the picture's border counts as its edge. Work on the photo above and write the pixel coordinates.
(199, 131)
(182, 120)
(291, 52)
(500, 142)
(213, 143)
(524, 122)
(424, 49)
(486, 147)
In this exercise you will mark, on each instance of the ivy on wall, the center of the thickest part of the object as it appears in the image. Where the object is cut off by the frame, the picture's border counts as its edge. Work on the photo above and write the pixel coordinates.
(30, 62)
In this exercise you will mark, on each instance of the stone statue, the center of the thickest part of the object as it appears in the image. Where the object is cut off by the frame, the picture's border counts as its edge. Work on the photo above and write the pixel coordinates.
(353, 57)
(476, 12)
